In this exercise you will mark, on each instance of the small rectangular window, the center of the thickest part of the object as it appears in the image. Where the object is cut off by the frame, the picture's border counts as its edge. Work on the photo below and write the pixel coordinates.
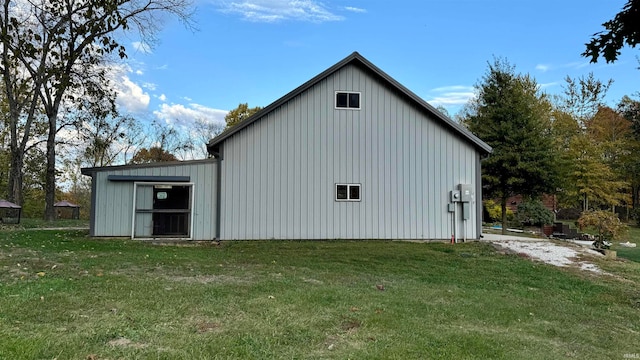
(347, 100)
(347, 192)
(342, 192)
(354, 100)
(354, 192)
(342, 100)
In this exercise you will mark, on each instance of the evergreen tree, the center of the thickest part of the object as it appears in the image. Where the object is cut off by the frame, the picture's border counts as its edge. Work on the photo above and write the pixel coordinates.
(512, 116)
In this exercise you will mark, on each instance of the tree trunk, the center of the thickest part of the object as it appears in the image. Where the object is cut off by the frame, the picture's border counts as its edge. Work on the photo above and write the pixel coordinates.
(15, 177)
(50, 176)
(503, 205)
(585, 203)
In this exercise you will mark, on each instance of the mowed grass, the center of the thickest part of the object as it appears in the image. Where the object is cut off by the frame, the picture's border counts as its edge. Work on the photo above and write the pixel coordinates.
(632, 254)
(65, 296)
(33, 223)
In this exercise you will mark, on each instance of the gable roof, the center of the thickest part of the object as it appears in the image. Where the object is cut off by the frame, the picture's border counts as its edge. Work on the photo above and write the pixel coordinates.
(5, 204)
(358, 60)
(65, 203)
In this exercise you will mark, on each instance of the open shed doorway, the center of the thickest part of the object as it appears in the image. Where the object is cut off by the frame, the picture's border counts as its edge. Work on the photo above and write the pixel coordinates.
(163, 210)
(171, 210)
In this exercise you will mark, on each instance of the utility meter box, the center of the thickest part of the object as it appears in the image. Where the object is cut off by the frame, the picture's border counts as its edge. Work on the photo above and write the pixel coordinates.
(466, 192)
(466, 211)
(455, 195)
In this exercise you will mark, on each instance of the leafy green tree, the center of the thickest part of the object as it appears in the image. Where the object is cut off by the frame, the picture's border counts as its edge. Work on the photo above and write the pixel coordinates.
(595, 183)
(609, 128)
(512, 116)
(623, 29)
(584, 96)
(151, 155)
(606, 223)
(630, 110)
(242, 112)
(630, 164)
(592, 143)
(564, 128)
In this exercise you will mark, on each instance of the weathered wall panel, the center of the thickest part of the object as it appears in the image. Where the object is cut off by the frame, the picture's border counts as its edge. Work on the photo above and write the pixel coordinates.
(279, 174)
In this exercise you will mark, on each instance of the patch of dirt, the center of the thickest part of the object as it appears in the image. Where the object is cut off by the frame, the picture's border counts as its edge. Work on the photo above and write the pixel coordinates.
(312, 281)
(208, 279)
(351, 325)
(204, 327)
(124, 342)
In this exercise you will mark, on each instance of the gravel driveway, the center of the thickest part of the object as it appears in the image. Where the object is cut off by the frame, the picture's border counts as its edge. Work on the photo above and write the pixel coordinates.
(546, 251)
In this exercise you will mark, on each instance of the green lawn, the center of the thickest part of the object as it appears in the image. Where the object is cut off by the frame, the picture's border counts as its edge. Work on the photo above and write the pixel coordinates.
(629, 253)
(63, 296)
(32, 223)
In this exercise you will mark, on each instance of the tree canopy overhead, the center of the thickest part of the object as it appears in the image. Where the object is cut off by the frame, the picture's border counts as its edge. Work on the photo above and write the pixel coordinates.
(623, 29)
(53, 54)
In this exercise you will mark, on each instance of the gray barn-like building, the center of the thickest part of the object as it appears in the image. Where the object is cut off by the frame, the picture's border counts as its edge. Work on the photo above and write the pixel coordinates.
(350, 154)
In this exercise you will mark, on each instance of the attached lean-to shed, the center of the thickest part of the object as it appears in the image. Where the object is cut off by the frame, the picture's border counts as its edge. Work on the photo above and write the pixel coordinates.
(67, 210)
(9, 212)
(169, 200)
(349, 154)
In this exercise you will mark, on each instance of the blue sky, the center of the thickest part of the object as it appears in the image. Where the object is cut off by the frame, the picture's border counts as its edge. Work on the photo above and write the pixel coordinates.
(256, 51)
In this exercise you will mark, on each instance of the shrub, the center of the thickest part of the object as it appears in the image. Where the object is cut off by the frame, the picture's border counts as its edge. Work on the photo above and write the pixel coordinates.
(533, 212)
(606, 223)
(494, 211)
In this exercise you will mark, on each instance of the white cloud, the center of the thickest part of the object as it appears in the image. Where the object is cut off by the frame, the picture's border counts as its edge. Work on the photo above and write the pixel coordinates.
(150, 86)
(542, 67)
(185, 116)
(131, 96)
(548, 85)
(355, 9)
(452, 95)
(577, 64)
(141, 47)
(571, 65)
(280, 10)
(162, 97)
(451, 88)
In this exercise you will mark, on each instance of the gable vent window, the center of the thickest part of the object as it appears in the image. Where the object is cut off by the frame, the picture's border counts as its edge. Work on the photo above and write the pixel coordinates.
(347, 192)
(347, 100)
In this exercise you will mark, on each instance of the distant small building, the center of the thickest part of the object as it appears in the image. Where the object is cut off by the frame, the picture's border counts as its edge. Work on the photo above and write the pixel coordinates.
(67, 210)
(10, 213)
(349, 154)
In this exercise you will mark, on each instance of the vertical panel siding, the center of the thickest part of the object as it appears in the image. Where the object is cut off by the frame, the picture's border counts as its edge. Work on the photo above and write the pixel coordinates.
(115, 199)
(279, 174)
